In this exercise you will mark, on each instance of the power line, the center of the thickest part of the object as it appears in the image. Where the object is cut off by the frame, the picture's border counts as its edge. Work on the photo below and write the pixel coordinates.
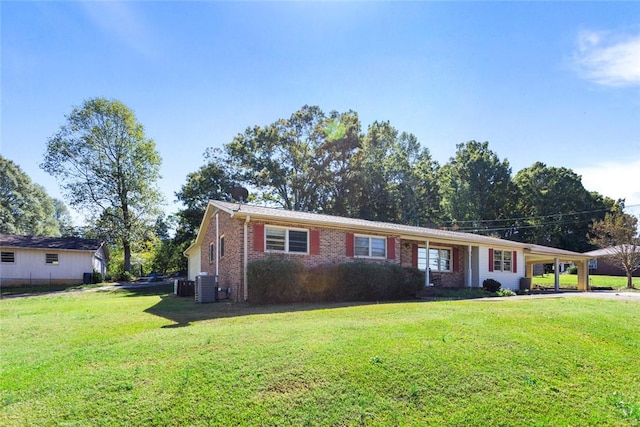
(529, 218)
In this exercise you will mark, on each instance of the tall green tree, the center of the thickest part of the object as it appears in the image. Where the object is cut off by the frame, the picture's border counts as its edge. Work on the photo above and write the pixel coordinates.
(396, 177)
(555, 208)
(476, 189)
(108, 168)
(25, 207)
(279, 160)
(619, 232)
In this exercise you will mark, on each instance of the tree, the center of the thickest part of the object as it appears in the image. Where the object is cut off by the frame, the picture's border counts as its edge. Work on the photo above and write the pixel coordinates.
(63, 216)
(619, 233)
(25, 207)
(555, 208)
(279, 160)
(476, 189)
(107, 167)
(396, 177)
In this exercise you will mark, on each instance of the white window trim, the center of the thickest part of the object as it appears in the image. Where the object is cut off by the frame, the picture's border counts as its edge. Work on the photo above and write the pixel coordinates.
(221, 246)
(286, 239)
(212, 258)
(439, 248)
(502, 269)
(368, 236)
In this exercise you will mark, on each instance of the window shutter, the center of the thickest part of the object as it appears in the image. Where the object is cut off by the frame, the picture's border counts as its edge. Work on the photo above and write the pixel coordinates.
(314, 237)
(456, 260)
(350, 245)
(258, 237)
(391, 248)
(514, 262)
(490, 259)
(414, 255)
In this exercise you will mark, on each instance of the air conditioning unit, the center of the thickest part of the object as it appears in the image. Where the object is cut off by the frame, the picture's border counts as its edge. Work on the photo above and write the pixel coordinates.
(206, 288)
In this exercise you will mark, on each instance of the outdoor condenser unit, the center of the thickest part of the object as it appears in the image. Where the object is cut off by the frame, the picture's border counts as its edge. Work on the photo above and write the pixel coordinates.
(206, 288)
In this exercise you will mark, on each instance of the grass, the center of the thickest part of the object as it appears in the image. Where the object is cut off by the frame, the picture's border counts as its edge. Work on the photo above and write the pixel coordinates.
(142, 357)
(571, 280)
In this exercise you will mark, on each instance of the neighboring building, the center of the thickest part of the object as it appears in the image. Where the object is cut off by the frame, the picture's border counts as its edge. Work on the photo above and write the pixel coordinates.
(232, 235)
(33, 260)
(601, 266)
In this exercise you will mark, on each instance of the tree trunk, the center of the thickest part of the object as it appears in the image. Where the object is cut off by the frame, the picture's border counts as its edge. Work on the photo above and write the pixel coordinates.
(126, 246)
(629, 280)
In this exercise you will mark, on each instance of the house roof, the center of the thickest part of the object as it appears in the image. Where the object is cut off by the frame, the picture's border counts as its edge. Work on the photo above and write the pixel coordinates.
(612, 250)
(40, 242)
(360, 225)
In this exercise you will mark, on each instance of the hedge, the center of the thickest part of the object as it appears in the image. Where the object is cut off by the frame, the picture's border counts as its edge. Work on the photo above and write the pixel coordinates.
(276, 281)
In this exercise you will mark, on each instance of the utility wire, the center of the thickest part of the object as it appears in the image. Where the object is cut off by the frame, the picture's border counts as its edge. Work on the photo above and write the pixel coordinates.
(528, 218)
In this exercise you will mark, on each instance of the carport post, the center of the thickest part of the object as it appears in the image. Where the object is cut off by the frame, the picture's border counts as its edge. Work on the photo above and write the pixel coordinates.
(556, 271)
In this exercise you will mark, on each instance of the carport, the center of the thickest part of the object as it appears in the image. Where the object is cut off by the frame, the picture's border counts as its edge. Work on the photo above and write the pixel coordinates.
(536, 254)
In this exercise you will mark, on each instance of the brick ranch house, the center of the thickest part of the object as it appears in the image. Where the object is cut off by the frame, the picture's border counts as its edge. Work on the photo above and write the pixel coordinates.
(232, 235)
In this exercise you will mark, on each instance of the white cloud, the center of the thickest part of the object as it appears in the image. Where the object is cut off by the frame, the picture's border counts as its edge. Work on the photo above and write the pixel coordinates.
(608, 58)
(119, 19)
(614, 180)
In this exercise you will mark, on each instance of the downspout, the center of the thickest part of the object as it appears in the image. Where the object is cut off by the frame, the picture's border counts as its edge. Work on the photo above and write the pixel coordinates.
(427, 281)
(217, 245)
(246, 257)
(469, 270)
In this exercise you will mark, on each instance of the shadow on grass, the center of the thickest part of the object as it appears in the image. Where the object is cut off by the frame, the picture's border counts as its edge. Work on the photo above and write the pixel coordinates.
(184, 310)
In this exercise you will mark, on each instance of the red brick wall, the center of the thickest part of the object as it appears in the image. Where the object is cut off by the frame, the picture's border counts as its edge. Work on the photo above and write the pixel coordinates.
(230, 267)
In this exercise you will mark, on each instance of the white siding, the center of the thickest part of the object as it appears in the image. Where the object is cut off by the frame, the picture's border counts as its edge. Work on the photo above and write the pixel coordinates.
(194, 267)
(30, 266)
(509, 280)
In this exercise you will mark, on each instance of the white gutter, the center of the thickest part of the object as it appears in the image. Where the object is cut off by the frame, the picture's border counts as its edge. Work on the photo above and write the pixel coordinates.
(246, 257)
(217, 244)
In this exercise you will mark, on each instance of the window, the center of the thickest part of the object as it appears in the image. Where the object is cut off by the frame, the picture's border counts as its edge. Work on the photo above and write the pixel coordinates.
(51, 259)
(212, 251)
(501, 260)
(372, 247)
(286, 240)
(439, 259)
(8, 257)
(221, 246)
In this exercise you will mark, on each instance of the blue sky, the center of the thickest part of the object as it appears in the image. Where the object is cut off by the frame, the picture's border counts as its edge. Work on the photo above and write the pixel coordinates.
(557, 82)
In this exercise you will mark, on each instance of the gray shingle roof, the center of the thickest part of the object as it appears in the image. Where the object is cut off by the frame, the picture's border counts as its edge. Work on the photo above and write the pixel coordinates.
(39, 242)
(405, 231)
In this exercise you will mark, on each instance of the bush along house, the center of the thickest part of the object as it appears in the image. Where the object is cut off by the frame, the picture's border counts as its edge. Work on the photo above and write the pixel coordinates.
(232, 236)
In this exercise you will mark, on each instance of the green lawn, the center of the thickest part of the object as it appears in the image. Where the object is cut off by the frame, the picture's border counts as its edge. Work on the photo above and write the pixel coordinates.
(148, 358)
(571, 280)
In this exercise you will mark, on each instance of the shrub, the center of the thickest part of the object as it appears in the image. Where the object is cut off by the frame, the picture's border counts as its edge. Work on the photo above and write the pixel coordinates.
(505, 293)
(275, 281)
(283, 281)
(572, 269)
(491, 285)
(125, 276)
(96, 277)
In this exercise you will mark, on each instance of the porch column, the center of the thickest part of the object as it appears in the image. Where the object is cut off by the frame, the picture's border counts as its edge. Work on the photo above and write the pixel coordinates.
(529, 270)
(469, 270)
(427, 282)
(583, 275)
(556, 271)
